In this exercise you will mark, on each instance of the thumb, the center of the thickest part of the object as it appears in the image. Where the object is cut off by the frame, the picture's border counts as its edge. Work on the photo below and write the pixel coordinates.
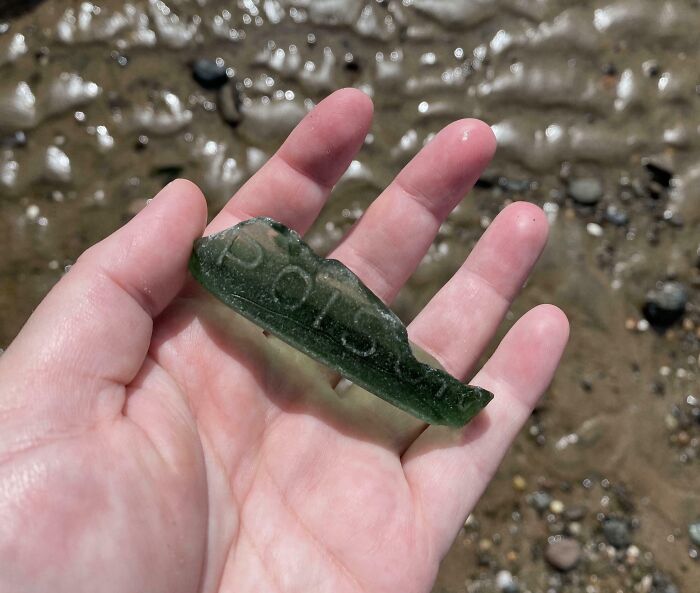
(90, 335)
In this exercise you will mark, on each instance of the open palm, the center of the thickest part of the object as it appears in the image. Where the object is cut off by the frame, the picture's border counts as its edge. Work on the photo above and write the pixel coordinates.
(151, 440)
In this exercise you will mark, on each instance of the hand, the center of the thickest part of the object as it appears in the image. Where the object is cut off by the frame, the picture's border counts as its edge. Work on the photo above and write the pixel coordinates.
(152, 441)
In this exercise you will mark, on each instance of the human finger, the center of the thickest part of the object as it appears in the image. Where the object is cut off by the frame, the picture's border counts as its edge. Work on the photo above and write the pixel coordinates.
(389, 241)
(294, 184)
(89, 337)
(449, 469)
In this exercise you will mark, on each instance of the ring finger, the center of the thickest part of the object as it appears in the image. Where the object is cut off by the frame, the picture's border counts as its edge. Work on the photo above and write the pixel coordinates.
(459, 322)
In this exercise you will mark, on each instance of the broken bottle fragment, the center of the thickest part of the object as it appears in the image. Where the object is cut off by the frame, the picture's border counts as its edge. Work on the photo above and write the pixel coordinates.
(265, 272)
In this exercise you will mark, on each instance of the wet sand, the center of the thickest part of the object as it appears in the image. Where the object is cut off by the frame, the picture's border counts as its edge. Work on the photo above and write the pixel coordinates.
(596, 106)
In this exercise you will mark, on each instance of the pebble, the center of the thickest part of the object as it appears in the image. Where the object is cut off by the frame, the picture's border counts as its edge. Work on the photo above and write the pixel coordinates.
(540, 500)
(586, 191)
(32, 212)
(485, 545)
(14, 140)
(616, 216)
(672, 425)
(659, 174)
(650, 68)
(662, 584)
(594, 229)
(575, 513)
(557, 507)
(514, 185)
(665, 304)
(632, 554)
(617, 533)
(230, 105)
(694, 532)
(506, 583)
(563, 554)
(58, 165)
(210, 74)
(519, 483)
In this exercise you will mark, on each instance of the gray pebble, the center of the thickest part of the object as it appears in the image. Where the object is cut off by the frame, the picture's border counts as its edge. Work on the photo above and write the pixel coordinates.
(575, 513)
(210, 74)
(541, 500)
(616, 216)
(587, 190)
(694, 532)
(514, 185)
(563, 554)
(617, 533)
(662, 584)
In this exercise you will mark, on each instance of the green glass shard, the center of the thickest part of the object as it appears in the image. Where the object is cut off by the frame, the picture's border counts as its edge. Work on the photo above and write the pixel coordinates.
(265, 272)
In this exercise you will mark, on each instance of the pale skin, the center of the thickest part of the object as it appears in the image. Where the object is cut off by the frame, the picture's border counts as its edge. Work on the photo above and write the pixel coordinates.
(152, 443)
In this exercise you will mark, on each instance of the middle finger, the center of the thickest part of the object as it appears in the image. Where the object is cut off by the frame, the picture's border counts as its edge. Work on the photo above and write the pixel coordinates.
(391, 238)
(389, 241)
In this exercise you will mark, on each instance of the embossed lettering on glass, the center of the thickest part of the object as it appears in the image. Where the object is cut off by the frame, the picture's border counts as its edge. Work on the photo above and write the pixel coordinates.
(265, 272)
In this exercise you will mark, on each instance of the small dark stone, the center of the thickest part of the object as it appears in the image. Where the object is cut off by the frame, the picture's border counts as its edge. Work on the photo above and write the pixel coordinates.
(565, 486)
(563, 554)
(486, 182)
(586, 191)
(694, 532)
(15, 8)
(616, 216)
(659, 174)
(662, 584)
(655, 190)
(624, 500)
(617, 533)
(167, 173)
(514, 185)
(540, 500)
(230, 104)
(575, 513)
(609, 69)
(665, 304)
(210, 74)
(650, 68)
(116, 101)
(351, 63)
(16, 140)
(657, 388)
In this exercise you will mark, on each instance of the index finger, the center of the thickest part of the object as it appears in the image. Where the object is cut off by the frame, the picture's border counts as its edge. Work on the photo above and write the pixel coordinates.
(294, 184)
